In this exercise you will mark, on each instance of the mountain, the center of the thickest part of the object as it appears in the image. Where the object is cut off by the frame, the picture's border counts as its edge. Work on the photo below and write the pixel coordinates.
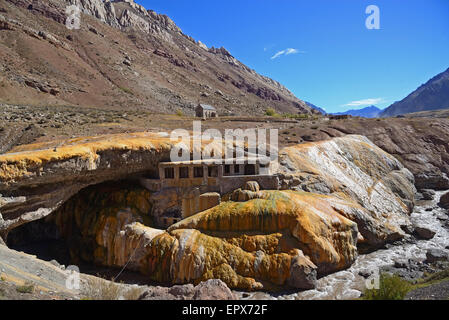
(315, 107)
(123, 57)
(443, 113)
(433, 95)
(368, 112)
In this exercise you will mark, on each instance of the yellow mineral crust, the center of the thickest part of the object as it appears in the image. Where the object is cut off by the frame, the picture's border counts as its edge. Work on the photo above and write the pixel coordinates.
(258, 244)
(187, 255)
(29, 159)
(309, 220)
(25, 159)
(263, 239)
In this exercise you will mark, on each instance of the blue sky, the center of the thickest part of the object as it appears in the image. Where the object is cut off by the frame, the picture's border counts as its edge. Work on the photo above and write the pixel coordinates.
(334, 61)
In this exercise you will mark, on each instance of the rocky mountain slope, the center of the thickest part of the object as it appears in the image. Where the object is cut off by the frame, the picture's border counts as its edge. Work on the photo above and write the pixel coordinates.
(444, 113)
(316, 107)
(123, 57)
(432, 95)
(368, 112)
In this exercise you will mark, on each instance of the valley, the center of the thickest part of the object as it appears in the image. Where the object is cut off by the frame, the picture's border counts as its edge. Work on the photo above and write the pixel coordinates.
(95, 206)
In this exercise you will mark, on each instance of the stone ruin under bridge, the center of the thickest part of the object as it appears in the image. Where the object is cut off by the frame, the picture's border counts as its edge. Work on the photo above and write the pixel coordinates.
(188, 187)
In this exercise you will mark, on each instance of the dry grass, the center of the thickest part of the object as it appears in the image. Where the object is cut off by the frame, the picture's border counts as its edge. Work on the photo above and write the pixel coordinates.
(100, 289)
(133, 293)
(28, 287)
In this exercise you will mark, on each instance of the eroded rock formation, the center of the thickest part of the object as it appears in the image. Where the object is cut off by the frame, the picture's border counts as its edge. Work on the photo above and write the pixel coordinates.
(35, 183)
(419, 144)
(444, 201)
(278, 238)
(346, 194)
(353, 167)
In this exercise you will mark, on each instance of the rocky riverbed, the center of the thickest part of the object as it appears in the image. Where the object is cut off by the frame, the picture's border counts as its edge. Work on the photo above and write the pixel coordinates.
(407, 258)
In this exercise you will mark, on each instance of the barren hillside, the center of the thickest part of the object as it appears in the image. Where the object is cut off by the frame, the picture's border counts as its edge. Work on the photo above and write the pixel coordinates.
(123, 57)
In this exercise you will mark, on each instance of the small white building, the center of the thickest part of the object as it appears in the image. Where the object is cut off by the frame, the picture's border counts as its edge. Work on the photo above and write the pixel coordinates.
(205, 111)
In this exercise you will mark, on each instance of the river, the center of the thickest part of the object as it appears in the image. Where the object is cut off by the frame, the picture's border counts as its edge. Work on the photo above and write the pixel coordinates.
(349, 284)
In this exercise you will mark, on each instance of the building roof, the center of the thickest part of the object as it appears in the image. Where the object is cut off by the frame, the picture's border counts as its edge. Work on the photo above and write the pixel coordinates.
(207, 107)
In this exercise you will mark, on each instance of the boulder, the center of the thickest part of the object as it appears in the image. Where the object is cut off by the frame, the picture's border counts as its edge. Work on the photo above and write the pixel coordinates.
(161, 293)
(434, 180)
(408, 228)
(186, 290)
(252, 186)
(209, 200)
(365, 273)
(423, 233)
(212, 289)
(202, 45)
(428, 194)
(54, 91)
(303, 273)
(401, 264)
(240, 195)
(5, 25)
(434, 255)
(444, 201)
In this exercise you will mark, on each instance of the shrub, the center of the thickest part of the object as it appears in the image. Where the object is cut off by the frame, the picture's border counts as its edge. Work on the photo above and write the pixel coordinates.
(126, 90)
(296, 116)
(97, 288)
(435, 277)
(391, 287)
(100, 289)
(26, 288)
(179, 113)
(270, 112)
(133, 293)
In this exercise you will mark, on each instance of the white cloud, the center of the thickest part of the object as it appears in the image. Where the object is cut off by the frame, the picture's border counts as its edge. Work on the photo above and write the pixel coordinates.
(286, 52)
(364, 102)
(291, 51)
